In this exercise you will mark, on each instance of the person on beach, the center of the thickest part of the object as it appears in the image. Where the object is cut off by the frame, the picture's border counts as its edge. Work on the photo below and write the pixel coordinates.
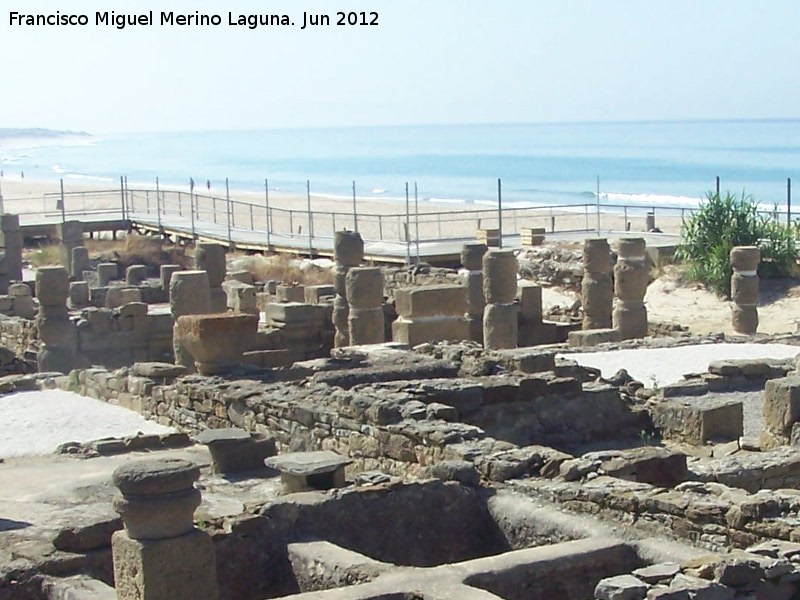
(208, 184)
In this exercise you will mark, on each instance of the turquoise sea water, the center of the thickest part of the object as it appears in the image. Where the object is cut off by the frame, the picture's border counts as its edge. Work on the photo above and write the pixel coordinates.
(646, 163)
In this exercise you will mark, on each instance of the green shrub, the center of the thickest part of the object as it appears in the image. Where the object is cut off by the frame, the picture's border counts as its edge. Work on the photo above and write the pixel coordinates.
(722, 222)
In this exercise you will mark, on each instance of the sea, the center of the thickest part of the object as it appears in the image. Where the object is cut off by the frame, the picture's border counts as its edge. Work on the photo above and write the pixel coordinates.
(658, 163)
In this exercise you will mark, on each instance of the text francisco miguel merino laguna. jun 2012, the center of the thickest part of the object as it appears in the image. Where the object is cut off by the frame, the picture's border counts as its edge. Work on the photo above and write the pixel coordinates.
(251, 21)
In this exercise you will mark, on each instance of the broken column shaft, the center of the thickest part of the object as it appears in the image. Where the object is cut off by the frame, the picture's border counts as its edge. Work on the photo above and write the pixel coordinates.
(744, 289)
(597, 289)
(630, 284)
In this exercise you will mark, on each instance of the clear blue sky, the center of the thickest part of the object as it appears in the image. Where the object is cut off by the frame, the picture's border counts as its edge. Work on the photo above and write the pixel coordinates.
(428, 61)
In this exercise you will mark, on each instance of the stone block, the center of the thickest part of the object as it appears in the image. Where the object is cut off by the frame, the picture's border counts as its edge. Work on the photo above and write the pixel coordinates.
(189, 293)
(745, 258)
(744, 319)
(216, 342)
(744, 289)
(79, 262)
(699, 420)
(631, 247)
(210, 257)
(596, 256)
(364, 287)
(473, 282)
(621, 587)
(315, 293)
(166, 272)
(532, 236)
(630, 319)
(78, 294)
(657, 466)
(180, 567)
(499, 276)
(240, 297)
(242, 276)
(280, 313)
(290, 293)
(235, 450)
(348, 248)
(70, 232)
(472, 256)
(488, 237)
(592, 337)
(782, 404)
(529, 295)
(429, 329)
(366, 326)
(431, 301)
(106, 273)
(52, 285)
(135, 274)
(500, 326)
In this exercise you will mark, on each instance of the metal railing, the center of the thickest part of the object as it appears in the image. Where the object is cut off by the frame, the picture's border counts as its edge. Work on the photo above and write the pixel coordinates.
(263, 224)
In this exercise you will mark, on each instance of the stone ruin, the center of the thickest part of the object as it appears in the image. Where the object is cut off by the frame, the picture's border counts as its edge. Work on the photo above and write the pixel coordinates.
(448, 469)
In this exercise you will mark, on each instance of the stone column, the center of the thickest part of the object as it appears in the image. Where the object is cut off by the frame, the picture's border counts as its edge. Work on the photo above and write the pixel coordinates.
(11, 242)
(364, 292)
(166, 274)
(529, 321)
(348, 252)
(161, 555)
(56, 331)
(71, 235)
(597, 288)
(210, 257)
(744, 289)
(630, 284)
(472, 277)
(189, 294)
(500, 327)
(80, 262)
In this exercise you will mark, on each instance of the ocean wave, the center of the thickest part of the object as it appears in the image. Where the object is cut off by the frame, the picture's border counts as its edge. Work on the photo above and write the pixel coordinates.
(89, 177)
(447, 200)
(58, 169)
(649, 199)
(378, 191)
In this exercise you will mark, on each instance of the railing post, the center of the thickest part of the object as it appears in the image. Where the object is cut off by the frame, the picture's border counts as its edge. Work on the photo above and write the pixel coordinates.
(158, 206)
(228, 203)
(380, 227)
(416, 218)
(266, 208)
(122, 195)
(355, 212)
(251, 218)
(180, 205)
(408, 241)
(500, 211)
(63, 210)
(191, 212)
(291, 222)
(147, 200)
(789, 201)
(214, 207)
(310, 221)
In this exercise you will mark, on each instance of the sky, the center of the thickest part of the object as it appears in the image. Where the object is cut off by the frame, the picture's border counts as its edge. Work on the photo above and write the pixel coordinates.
(426, 62)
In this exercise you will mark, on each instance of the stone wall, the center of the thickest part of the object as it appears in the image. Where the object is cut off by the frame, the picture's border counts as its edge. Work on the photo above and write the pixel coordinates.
(382, 423)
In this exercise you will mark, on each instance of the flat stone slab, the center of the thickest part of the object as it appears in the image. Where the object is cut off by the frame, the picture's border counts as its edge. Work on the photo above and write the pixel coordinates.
(158, 369)
(213, 436)
(305, 464)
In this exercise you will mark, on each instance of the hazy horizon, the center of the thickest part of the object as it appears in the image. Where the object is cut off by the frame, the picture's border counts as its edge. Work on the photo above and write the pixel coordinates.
(445, 63)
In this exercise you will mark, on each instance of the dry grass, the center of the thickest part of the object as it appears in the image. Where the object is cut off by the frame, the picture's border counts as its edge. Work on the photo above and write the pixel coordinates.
(43, 256)
(139, 250)
(282, 268)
